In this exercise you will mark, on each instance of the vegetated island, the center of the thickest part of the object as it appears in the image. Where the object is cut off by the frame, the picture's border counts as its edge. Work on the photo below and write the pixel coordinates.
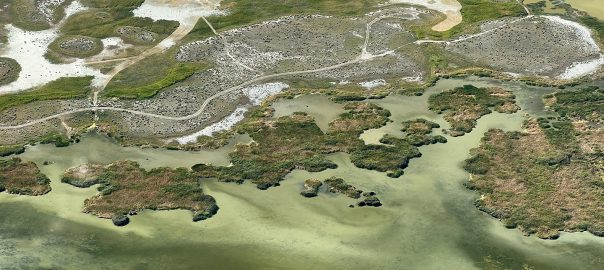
(550, 177)
(462, 106)
(23, 178)
(125, 189)
(339, 185)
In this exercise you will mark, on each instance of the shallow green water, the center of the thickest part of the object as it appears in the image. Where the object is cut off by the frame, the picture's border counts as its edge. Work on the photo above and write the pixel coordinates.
(592, 7)
(428, 220)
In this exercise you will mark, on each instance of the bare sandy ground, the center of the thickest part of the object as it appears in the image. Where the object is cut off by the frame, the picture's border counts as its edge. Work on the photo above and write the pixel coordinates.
(451, 8)
(183, 11)
(28, 49)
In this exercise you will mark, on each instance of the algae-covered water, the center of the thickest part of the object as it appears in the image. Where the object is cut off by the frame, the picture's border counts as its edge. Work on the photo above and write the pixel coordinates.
(592, 7)
(428, 220)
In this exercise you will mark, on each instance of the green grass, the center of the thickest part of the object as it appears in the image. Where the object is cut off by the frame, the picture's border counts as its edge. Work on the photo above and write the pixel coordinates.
(147, 77)
(595, 24)
(244, 12)
(132, 4)
(580, 103)
(63, 88)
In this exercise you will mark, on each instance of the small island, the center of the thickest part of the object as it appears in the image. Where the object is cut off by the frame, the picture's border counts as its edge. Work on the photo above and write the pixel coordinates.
(23, 178)
(126, 189)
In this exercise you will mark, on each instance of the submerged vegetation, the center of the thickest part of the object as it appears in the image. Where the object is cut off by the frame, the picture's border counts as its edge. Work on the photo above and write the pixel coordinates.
(462, 106)
(549, 178)
(24, 178)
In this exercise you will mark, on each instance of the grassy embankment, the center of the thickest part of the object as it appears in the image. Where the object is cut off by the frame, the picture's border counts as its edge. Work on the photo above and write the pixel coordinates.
(24, 178)
(549, 178)
(462, 106)
(125, 189)
(124, 85)
(245, 12)
(147, 77)
(63, 88)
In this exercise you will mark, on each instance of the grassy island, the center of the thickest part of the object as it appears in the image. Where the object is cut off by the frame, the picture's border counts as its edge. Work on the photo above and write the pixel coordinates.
(24, 178)
(125, 188)
(550, 177)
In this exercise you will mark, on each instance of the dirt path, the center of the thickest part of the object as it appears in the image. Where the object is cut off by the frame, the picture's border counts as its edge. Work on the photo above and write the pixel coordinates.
(528, 11)
(363, 56)
(178, 34)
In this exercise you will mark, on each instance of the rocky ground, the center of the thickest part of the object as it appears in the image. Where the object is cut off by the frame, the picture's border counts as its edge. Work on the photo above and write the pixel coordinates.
(538, 45)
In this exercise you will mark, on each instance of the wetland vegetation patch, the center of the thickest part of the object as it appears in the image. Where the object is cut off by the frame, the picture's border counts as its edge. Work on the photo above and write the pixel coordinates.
(23, 178)
(462, 106)
(296, 142)
(550, 177)
(125, 189)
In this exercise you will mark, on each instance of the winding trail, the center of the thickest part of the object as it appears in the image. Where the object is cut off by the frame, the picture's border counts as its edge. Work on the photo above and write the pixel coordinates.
(177, 35)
